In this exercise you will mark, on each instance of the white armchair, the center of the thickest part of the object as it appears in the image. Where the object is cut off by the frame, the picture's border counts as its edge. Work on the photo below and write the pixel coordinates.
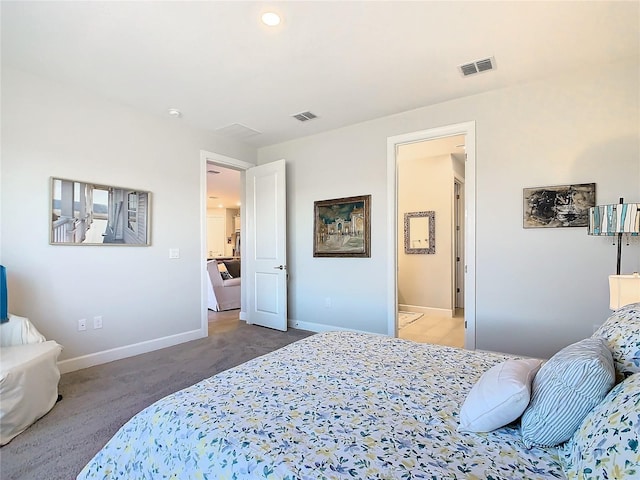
(29, 376)
(223, 294)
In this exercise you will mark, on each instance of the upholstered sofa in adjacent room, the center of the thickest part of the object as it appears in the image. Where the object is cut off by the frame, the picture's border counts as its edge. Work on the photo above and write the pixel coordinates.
(29, 376)
(224, 284)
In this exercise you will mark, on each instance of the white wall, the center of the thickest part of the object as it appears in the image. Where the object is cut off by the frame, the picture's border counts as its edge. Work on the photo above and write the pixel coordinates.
(537, 290)
(142, 295)
(425, 280)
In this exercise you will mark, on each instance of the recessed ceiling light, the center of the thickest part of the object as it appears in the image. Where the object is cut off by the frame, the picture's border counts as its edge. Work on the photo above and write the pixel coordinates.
(271, 19)
(174, 112)
(220, 206)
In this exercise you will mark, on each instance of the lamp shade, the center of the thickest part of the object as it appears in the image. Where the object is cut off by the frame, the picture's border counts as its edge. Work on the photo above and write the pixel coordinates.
(623, 290)
(614, 219)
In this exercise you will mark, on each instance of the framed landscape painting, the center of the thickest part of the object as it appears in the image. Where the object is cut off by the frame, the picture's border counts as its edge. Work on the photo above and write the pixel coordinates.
(341, 227)
(558, 206)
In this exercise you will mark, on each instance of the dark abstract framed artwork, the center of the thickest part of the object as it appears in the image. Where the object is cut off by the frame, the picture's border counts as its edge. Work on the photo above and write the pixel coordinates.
(558, 206)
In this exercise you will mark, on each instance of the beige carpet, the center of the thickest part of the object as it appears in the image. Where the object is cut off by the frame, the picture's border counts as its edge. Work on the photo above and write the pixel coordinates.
(406, 318)
(97, 401)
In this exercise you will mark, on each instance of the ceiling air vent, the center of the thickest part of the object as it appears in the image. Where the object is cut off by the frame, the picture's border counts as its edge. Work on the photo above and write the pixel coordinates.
(304, 116)
(478, 66)
(237, 130)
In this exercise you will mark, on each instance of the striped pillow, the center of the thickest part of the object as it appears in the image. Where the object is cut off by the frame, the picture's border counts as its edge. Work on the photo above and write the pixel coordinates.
(565, 389)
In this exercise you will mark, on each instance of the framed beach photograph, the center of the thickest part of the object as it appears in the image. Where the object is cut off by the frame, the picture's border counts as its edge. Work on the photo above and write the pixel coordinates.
(84, 213)
(342, 228)
(558, 206)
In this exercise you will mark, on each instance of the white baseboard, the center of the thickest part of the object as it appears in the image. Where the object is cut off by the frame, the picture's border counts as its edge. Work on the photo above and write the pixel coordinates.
(320, 327)
(242, 316)
(427, 311)
(105, 356)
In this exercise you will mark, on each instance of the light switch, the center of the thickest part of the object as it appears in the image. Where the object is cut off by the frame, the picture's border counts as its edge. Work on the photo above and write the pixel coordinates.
(174, 253)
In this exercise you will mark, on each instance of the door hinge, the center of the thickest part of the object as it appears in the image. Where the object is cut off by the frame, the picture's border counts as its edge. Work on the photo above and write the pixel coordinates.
(465, 324)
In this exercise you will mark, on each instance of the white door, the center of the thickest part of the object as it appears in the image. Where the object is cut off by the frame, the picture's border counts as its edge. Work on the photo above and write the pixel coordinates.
(266, 247)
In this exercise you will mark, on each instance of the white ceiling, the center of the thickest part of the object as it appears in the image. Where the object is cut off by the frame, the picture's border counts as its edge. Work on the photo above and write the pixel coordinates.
(433, 148)
(345, 61)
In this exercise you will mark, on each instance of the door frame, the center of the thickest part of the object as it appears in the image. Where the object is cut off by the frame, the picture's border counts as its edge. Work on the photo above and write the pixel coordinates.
(469, 130)
(458, 240)
(235, 164)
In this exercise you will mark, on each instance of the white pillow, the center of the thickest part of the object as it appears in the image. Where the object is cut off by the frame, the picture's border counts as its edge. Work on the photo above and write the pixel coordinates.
(499, 397)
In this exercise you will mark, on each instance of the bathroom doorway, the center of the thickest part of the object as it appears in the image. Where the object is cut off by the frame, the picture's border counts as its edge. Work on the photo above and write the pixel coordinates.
(431, 293)
(430, 182)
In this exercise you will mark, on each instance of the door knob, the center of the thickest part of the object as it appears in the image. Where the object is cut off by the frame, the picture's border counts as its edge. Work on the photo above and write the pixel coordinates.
(281, 267)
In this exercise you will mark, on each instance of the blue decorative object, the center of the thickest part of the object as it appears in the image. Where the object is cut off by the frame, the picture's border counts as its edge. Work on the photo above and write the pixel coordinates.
(4, 315)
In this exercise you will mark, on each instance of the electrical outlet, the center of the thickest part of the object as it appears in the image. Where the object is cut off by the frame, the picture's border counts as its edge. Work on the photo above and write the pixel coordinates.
(97, 322)
(327, 302)
(82, 324)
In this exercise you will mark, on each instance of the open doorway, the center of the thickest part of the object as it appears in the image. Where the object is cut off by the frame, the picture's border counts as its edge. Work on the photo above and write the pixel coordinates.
(262, 244)
(465, 273)
(221, 209)
(223, 243)
(430, 178)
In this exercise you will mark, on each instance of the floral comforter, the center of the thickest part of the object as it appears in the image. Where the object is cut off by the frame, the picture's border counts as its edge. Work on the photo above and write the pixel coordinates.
(336, 405)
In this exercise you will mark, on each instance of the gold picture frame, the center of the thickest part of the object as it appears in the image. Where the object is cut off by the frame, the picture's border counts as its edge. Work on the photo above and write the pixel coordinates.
(342, 227)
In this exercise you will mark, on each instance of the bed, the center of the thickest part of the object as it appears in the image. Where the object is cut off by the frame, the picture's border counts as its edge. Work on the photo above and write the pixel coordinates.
(334, 405)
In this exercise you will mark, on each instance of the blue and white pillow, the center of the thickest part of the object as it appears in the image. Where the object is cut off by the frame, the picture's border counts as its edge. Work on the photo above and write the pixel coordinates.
(564, 390)
(622, 333)
(606, 444)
